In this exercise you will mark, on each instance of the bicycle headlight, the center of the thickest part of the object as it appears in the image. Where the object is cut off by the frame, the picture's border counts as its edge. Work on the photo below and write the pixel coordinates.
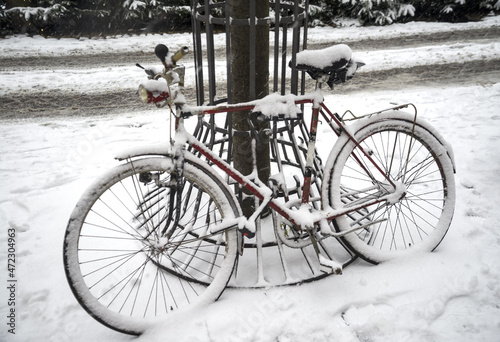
(145, 94)
(153, 92)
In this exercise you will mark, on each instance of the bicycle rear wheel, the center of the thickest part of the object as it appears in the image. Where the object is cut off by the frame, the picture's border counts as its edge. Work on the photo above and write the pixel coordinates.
(412, 155)
(130, 263)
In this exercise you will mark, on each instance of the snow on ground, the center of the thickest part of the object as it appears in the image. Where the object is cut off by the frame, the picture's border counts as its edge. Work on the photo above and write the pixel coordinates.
(452, 294)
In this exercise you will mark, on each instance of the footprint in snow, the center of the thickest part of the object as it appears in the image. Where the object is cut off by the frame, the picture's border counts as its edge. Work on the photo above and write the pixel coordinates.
(475, 212)
(36, 303)
(467, 184)
(22, 228)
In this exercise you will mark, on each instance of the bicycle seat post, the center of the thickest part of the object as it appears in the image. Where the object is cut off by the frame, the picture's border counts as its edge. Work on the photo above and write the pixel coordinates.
(320, 80)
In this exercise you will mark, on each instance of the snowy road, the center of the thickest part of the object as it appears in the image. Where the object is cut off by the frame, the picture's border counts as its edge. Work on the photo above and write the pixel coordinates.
(49, 155)
(89, 77)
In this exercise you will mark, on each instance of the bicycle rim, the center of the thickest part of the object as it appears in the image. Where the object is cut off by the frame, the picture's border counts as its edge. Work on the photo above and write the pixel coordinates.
(121, 268)
(409, 155)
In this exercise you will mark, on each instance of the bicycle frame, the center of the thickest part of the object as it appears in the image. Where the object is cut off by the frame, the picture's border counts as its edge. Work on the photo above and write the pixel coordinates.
(164, 231)
(264, 193)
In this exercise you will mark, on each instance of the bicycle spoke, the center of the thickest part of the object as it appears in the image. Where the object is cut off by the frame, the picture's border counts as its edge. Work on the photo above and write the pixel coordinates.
(405, 156)
(122, 262)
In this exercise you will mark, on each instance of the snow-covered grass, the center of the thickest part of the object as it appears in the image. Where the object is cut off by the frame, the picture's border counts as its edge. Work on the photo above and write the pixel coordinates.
(452, 294)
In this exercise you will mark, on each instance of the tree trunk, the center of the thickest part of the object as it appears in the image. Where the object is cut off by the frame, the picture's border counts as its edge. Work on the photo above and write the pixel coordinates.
(241, 46)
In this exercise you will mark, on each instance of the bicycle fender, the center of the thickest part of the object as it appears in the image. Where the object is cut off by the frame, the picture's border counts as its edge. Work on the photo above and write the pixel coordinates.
(145, 151)
(403, 116)
(165, 152)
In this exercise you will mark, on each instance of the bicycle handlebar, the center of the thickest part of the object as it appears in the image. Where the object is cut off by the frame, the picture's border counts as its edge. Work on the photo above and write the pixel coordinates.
(168, 60)
(179, 54)
(172, 74)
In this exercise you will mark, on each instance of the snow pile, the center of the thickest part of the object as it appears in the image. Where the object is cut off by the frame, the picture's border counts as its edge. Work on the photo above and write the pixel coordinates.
(340, 54)
(277, 106)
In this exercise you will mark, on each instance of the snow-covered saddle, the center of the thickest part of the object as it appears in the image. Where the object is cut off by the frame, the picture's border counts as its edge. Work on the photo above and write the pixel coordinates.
(335, 61)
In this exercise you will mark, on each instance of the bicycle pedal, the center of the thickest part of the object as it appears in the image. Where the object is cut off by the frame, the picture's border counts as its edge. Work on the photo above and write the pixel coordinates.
(247, 232)
(330, 270)
(329, 266)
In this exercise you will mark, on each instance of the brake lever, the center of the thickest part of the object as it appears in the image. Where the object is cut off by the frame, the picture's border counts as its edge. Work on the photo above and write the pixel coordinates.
(151, 74)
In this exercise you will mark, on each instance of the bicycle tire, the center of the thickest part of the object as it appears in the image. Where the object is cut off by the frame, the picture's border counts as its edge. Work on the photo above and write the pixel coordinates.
(411, 153)
(117, 265)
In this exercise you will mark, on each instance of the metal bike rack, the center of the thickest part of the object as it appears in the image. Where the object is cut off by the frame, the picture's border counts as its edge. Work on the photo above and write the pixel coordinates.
(211, 17)
(266, 260)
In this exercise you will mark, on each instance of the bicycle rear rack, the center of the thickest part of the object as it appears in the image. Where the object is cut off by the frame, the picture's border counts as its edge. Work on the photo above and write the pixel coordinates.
(354, 117)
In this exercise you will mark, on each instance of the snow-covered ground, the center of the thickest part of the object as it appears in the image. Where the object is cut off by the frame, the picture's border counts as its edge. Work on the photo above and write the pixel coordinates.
(452, 294)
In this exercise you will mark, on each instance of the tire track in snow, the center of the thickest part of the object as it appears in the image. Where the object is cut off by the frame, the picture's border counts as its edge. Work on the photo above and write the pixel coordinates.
(58, 103)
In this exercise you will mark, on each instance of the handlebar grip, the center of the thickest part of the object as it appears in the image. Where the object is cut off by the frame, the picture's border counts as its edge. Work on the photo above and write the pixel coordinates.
(179, 54)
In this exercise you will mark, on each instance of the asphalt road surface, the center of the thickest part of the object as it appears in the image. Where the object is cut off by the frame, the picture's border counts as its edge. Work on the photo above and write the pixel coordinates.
(60, 103)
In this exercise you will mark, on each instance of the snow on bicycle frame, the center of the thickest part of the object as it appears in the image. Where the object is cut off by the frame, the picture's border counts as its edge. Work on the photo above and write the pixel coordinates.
(331, 66)
(156, 234)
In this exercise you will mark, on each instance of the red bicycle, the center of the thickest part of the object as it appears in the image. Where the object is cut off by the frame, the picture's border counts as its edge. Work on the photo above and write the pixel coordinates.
(164, 230)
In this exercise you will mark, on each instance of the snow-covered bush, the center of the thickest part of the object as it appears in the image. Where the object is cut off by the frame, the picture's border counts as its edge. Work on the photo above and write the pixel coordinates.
(155, 15)
(380, 12)
(93, 17)
(384, 12)
(36, 20)
(455, 10)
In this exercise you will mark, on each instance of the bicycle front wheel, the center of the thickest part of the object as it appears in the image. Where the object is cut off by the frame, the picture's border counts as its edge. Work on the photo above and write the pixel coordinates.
(409, 154)
(131, 260)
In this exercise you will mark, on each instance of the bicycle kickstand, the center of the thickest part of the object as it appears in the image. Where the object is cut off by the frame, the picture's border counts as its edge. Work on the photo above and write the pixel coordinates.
(326, 265)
